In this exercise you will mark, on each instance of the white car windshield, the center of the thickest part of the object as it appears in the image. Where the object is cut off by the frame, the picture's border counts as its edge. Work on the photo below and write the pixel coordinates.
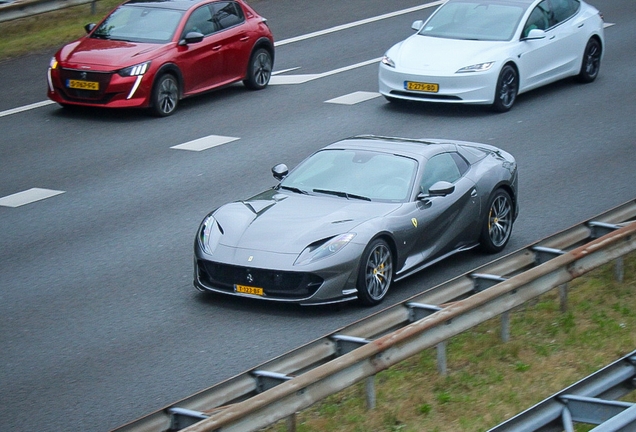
(354, 174)
(481, 20)
(139, 24)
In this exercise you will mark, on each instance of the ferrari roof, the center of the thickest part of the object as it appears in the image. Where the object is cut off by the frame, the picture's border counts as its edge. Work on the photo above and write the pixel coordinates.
(404, 146)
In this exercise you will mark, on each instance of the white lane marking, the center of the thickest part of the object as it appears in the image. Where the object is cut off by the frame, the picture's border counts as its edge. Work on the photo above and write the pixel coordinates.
(358, 23)
(301, 79)
(27, 197)
(26, 108)
(354, 98)
(204, 143)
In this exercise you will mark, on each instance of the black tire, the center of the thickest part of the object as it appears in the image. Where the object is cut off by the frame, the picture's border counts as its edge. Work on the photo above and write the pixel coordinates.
(259, 70)
(375, 273)
(497, 225)
(506, 90)
(165, 95)
(591, 63)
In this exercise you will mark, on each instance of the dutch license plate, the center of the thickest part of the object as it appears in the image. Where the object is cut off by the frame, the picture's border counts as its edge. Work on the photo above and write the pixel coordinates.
(421, 87)
(249, 290)
(82, 85)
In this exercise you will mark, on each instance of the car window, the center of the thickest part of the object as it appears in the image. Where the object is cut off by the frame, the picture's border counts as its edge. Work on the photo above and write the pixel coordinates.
(377, 176)
(538, 19)
(227, 14)
(139, 24)
(474, 20)
(441, 167)
(564, 9)
(462, 164)
(201, 21)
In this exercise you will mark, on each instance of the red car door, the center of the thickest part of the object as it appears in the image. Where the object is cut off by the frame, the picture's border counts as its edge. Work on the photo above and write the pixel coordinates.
(200, 62)
(234, 43)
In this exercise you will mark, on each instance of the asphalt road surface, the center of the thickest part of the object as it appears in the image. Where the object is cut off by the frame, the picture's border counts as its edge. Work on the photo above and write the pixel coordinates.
(99, 322)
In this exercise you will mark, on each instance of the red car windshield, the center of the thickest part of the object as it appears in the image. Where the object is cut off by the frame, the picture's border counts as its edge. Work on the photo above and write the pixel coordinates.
(139, 24)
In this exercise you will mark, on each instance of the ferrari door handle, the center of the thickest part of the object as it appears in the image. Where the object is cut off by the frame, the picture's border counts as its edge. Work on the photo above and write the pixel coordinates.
(216, 48)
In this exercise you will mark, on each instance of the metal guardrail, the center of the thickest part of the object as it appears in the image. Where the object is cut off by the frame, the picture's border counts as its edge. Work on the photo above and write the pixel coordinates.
(22, 9)
(294, 381)
(591, 400)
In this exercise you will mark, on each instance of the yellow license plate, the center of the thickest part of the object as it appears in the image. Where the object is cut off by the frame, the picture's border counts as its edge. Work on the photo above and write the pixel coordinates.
(249, 290)
(421, 87)
(82, 85)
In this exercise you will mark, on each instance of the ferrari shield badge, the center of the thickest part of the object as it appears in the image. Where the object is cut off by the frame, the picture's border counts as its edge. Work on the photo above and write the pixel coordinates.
(414, 222)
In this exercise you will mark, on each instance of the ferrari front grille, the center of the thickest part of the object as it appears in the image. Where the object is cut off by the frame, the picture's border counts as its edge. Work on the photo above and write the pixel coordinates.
(275, 283)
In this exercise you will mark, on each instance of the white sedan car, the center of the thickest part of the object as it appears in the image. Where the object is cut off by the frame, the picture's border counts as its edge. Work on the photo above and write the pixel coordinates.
(489, 51)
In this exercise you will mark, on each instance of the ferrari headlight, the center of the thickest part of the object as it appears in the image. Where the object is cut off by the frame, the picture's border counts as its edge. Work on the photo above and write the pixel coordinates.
(53, 63)
(481, 67)
(319, 251)
(209, 234)
(135, 70)
(387, 61)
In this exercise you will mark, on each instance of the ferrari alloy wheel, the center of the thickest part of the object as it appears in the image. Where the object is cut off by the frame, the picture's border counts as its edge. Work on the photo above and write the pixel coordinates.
(376, 273)
(165, 95)
(497, 227)
(259, 70)
(591, 61)
(506, 90)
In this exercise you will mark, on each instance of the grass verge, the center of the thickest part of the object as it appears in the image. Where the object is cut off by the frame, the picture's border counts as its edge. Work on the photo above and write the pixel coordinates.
(489, 381)
(49, 31)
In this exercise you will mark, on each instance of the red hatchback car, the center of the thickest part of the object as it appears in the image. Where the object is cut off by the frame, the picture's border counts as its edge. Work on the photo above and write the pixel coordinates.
(152, 53)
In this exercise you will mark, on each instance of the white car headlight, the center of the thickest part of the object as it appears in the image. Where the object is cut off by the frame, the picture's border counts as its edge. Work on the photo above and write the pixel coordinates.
(209, 234)
(135, 70)
(480, 67)
(387, 61)
(323, 250)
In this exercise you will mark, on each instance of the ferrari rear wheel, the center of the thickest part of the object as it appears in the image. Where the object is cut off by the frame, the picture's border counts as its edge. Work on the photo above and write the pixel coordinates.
(506, 90)
(591, 61)
(497, 227)
(165, 95)
(376, 273)
(259, 70)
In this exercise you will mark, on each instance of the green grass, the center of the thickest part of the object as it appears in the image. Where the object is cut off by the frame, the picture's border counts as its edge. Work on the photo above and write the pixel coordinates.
(489, 381)
(49, 31)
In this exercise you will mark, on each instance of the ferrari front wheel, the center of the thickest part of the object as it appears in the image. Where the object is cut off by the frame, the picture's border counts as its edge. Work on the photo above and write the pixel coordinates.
(497, 225)
(375, 273)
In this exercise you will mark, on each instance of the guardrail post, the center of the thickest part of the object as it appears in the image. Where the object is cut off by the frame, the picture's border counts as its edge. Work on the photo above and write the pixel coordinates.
(370, 392)
(619, 270)
(563, 297)
(291, 423)
(505, 326)
(93, 7)
(441, 358)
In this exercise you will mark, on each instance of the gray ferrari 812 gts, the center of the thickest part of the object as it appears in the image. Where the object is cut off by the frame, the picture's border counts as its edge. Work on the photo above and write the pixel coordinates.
(355, 216)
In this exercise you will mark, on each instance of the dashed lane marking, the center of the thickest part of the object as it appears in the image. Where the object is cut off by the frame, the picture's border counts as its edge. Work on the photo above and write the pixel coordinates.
(204, 143)
(27, 197)
(354, 98)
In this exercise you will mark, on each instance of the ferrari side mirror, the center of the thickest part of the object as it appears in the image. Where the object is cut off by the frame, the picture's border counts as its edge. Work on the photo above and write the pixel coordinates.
(280, 171)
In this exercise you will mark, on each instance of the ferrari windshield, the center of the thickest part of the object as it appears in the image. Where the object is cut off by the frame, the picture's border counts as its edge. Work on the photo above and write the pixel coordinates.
(483, 20)
(354, 174)
(139, 24)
